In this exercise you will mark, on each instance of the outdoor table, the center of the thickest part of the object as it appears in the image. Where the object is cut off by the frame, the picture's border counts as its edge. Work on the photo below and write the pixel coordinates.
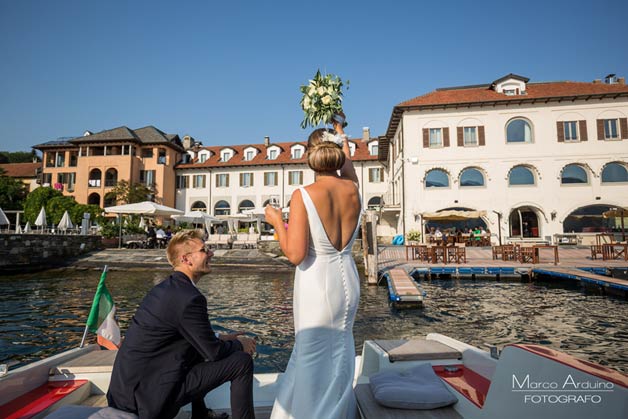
(539, 247)
(413, 249)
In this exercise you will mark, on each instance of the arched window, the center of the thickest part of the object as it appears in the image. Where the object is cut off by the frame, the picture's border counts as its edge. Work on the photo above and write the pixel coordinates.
(518, 130)
(222, 208)
(471, 177)
(573, 173)
(198, 206)
(524, 222)
(111, 177)
(246, 205)
(374, 203)
(93, 199)
(110, 199)
(94, 179)
(520, 175)
(614, 172)
(437, 179)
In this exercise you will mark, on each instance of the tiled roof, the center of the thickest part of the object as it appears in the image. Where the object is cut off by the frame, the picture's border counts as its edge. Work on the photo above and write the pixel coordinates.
(21, 170)
(361, 154)
(54, 143)
(533, 91)
(481, 95)
(120, 134)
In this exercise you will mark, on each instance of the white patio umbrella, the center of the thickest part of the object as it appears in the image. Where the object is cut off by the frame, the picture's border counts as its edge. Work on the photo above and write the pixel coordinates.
(66, 222)
(27, 227)
(196, 217)
(41, 218)
(141, 208)
(3, 218)
(144, 208)
(18, 229)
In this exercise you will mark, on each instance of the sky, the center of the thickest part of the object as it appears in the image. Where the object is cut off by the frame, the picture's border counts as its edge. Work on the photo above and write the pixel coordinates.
(229, 72)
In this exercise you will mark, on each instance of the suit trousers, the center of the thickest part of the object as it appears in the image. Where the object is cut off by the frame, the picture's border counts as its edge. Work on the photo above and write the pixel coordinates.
(206, 376)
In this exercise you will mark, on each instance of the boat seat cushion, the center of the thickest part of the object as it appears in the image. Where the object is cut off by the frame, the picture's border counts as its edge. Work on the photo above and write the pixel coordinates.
(416, 388)
(417, 350)
(89, 412)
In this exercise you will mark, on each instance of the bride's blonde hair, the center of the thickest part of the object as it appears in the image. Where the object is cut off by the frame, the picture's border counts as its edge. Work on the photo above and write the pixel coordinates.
(323, 156)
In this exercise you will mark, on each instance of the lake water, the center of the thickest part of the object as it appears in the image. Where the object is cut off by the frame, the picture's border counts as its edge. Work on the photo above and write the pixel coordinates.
(45, 313)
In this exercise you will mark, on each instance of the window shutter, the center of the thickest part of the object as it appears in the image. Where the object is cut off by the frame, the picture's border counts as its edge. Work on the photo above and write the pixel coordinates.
(460, 133)
(381, 174)
(560, 131)
(266, 179)
(252, 179)
(426, 138)
(584, 136)
(623, 125)
(446, 137)
(241, 177)
(217, 177)
(227, 180)
(481, 140)
(300, 178)
(600, 129)
(371, 175)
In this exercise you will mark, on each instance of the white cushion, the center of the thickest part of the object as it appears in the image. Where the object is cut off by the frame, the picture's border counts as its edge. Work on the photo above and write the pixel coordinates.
(416, 388)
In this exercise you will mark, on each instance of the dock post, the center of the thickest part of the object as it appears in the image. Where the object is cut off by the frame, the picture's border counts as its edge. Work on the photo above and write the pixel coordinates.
(369, 240)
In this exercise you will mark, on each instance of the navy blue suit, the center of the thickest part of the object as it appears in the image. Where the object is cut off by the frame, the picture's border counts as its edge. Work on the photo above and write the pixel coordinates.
(170, 356)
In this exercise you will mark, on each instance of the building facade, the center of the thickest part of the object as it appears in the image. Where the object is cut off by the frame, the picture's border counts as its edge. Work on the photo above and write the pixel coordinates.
(541, 159)
(225, 180)
(25, 172)
(88, 167)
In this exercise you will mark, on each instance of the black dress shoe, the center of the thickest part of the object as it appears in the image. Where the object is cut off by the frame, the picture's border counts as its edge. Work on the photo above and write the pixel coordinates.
(210, 414)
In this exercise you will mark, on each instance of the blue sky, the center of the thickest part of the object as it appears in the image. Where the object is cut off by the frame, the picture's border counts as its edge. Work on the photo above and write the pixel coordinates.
(229, 72)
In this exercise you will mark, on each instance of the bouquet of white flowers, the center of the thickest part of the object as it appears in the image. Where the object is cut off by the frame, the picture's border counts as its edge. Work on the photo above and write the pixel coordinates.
(322, 99)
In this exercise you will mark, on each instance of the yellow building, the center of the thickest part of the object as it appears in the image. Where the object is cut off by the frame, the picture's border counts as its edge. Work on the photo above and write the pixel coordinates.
(88, 167)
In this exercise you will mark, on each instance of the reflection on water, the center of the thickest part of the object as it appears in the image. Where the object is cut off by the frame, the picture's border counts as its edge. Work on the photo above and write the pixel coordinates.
(44, 313)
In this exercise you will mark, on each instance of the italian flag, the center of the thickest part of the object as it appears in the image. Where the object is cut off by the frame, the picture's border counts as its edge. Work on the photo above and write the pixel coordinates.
(102, 319)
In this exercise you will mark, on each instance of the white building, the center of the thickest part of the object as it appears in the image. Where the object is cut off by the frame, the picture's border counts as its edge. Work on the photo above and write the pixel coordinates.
(225, 180)
(540, 158)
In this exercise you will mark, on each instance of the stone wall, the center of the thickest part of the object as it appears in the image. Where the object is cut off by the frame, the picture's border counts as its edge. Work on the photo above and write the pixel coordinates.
(33, 252)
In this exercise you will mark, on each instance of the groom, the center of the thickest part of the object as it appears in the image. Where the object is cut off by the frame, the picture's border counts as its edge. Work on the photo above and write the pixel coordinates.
(171, 356)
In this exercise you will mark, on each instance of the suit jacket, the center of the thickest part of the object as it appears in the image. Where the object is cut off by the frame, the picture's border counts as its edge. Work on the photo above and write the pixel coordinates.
(169, 334)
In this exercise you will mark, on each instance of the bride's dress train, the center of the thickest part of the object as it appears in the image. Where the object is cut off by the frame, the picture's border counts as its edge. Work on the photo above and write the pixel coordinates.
(319, 377)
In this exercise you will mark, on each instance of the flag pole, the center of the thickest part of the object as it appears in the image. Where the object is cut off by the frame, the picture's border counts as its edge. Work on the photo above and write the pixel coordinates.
(86, 326)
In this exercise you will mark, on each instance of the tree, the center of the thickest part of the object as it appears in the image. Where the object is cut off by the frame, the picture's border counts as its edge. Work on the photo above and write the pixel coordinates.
(57, 206)
(130, 193)
(18, 156)
(12, 192)
(76, 213)
(36, 199)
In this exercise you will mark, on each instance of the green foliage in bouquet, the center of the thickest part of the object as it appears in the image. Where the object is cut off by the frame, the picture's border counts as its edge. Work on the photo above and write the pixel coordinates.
(413, 235)
(322, 99)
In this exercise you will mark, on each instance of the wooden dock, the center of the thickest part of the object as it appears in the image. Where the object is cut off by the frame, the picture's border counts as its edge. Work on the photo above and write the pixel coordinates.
(402, 290)
(607, 284)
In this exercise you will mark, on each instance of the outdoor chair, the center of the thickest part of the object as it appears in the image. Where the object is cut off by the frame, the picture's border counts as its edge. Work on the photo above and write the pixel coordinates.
(498, 252)
(596, 250)
(422, 253)
(457, 253)
(439, 254)
(251, 241)
(509, 252)
(527, 254)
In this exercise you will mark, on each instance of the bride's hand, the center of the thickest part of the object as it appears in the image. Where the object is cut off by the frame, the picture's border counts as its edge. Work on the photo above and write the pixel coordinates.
(273, 216)
(338, 126)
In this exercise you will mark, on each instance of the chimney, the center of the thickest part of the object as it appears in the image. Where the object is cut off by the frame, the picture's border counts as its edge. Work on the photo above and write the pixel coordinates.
(187, 142)
(267, 141)
(366, 134)
(621, 80)
(597, 81)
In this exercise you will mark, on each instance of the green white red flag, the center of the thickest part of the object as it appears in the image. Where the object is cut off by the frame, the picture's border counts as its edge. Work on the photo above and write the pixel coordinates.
(102, 319)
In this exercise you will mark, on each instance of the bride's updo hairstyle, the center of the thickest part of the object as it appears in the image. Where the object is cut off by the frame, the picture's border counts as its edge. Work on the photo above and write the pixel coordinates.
(323, 156)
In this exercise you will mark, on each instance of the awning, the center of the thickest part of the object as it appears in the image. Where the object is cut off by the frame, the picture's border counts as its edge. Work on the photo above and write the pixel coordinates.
(452, 215)
(616, 213)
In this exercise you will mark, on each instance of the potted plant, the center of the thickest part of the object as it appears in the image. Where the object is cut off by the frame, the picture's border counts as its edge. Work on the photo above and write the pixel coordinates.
(413, 236)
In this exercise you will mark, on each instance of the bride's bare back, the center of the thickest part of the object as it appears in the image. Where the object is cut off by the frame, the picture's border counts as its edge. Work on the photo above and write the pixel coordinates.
(338, 205)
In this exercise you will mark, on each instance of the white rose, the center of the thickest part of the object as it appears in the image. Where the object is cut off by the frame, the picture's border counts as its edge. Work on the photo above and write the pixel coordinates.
(326, 100)
(320, 90)
(311, 90)
(306, 102)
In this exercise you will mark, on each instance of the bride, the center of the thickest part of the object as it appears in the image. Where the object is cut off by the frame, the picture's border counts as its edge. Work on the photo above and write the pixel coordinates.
(324, 222)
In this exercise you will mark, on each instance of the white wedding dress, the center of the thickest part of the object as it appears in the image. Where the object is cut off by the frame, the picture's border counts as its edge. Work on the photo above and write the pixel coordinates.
(319, 377)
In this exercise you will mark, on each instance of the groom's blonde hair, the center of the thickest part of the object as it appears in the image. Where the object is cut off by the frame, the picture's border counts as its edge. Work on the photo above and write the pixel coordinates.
(180, 244)
(323, 156)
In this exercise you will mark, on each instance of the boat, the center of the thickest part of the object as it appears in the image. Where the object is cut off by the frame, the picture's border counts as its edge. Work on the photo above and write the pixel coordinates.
(521, 381)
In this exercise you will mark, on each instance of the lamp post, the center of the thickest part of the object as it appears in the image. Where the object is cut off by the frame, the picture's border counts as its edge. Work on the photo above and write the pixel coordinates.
(499, 225)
